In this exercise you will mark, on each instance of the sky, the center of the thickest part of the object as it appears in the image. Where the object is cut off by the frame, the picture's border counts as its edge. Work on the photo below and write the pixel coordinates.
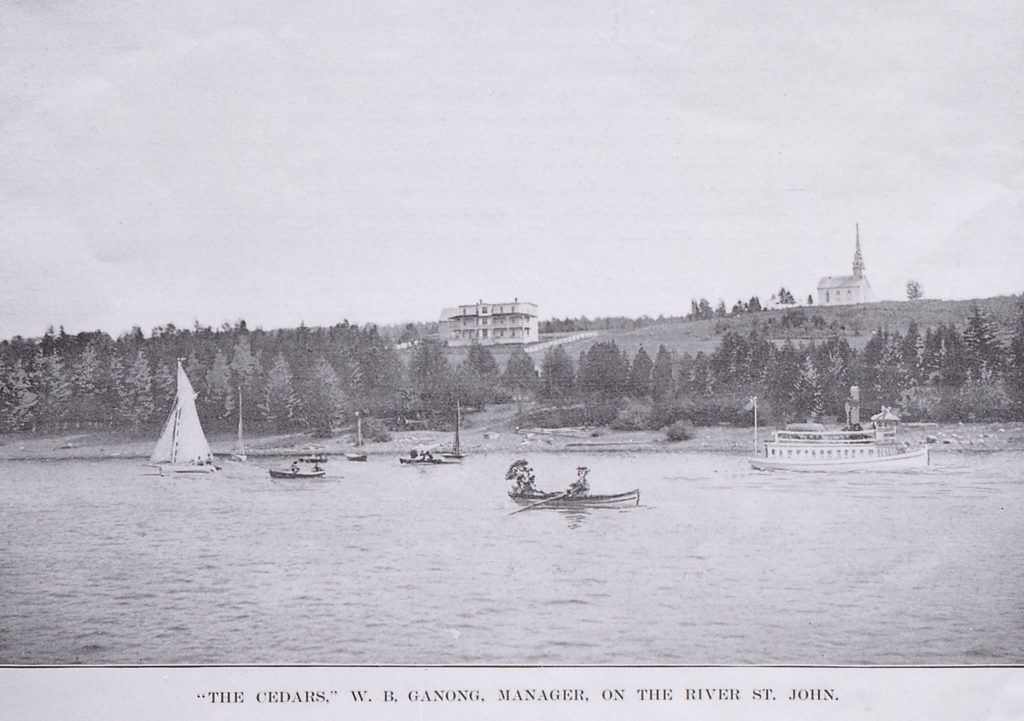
(376, 162)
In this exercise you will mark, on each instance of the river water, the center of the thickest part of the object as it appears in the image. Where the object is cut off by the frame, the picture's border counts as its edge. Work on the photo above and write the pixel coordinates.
(101, 563)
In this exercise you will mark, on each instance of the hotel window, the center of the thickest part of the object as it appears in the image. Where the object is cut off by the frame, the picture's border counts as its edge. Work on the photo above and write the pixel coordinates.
(826, 296)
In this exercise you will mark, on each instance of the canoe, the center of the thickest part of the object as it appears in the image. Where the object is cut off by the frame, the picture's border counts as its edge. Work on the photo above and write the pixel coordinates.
(615, 500)
(301, 473)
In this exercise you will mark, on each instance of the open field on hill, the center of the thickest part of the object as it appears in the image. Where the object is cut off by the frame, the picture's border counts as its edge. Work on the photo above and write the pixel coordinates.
(855, 322)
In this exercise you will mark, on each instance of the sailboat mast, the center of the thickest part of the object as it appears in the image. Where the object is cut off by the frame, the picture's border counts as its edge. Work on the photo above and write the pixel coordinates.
(457, 445)
(241, 444)
(359, 429)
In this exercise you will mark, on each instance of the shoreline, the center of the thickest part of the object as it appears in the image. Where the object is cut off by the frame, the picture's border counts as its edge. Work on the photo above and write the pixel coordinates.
(941, 438)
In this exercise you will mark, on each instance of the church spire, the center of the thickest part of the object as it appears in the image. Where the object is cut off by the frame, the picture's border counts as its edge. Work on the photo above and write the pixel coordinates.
(858, 259)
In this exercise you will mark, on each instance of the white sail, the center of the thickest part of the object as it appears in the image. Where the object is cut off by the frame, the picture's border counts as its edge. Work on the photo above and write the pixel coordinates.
(182, 440)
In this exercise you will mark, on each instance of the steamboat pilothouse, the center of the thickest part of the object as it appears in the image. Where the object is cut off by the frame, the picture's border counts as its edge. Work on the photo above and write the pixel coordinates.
(810, 447)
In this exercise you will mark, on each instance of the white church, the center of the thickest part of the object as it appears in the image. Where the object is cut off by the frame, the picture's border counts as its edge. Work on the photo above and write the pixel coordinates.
(846, 289)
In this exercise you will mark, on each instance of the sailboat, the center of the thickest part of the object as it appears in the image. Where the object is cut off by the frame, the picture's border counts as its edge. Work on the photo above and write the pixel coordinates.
(239, 454)
(456, 451)
(357, 455)
(182, 446)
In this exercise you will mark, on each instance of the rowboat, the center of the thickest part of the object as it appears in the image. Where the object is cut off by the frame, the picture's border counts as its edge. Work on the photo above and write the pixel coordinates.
(305, 467)
(301, 473)
(560, 500)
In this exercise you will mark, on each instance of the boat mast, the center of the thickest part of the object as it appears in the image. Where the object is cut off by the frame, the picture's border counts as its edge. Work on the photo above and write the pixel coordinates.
(457, 445)
(359, 429)
(241, 444)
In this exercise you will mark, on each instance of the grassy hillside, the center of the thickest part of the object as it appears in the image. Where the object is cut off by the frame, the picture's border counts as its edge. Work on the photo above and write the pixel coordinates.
(856, 322)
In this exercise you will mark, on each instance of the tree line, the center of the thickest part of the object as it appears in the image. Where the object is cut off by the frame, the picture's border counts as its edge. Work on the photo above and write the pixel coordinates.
(947, 373)
(317, 378)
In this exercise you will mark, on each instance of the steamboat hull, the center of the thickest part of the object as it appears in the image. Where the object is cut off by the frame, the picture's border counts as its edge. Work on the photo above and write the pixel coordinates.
(908, 460)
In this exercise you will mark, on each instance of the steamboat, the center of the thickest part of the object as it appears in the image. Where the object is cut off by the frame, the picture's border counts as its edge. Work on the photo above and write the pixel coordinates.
(810, 447)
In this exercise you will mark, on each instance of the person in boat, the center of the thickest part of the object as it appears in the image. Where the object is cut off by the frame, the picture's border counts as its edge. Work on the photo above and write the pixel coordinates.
(295, 466)
(525, 482)
(428, 456)
(579, 487)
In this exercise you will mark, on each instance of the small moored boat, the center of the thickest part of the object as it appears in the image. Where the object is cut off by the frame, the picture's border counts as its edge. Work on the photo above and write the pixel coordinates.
(305, 467)
(425, 458)
(355, 456)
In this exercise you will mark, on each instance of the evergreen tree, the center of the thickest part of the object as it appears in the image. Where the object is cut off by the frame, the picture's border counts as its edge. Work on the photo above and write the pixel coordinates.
(783, 381)
(520, 376)
(164, 382)
(981, 346)
(701, 379)
(662, 382)
(279, 402)
(245, 373)
(604, 371)
(18, 401)
(322, 400)
(54, 390)
(431, 377)
(640, 374)
(89, 386)
(910, 356)
(809, 397)
(220, 400)
(137, 391)
(557, 375)
(481, 361)
(1015, 369)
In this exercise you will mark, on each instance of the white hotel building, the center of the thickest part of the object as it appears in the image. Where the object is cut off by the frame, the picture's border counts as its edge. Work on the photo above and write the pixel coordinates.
(490, 324)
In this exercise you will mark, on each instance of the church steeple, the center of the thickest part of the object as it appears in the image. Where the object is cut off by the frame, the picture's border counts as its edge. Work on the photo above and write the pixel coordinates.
(858, 259)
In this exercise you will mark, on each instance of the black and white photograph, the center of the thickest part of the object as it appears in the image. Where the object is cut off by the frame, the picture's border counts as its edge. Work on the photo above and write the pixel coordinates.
(511, 334)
